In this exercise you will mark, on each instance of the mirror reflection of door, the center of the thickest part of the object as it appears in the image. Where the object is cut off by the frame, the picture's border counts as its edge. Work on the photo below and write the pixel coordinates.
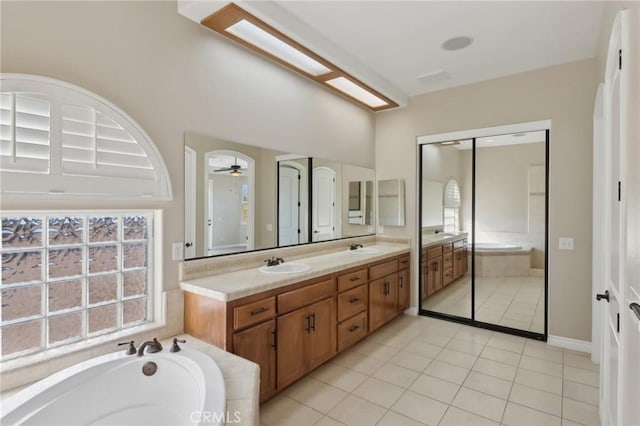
(289, 205)
(190, 168)
(228, 202)
(324, 203)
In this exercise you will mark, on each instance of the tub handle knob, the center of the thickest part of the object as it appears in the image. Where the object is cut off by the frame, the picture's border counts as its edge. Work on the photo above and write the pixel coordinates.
(175, 347)
(131, 350)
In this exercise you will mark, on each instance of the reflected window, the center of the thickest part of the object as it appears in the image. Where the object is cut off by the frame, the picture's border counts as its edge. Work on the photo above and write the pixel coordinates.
(452, 204)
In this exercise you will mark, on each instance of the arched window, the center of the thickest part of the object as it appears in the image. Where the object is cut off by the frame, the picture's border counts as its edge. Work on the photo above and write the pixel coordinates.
(59, 140)
(452, 203)
(71, 276)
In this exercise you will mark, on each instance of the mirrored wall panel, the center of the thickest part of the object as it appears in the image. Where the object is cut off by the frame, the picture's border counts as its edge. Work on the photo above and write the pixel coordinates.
(510, 230)
(240, 198)
(446, 227)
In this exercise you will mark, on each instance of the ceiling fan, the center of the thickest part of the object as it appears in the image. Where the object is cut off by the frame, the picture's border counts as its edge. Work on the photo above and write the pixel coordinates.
(235, 168)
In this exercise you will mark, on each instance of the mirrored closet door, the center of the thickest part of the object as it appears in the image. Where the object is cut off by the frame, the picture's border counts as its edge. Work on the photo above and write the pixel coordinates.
(483, 231)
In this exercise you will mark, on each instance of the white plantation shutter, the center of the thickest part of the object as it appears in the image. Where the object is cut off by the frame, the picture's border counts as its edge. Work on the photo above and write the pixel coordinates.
(63, 141)
(452, 194)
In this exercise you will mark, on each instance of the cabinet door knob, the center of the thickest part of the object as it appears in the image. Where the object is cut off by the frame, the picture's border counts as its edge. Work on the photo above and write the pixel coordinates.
(604, 296)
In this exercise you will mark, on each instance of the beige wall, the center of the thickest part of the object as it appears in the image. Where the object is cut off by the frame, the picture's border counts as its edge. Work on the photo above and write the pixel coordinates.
(564, 94)
(172, 75)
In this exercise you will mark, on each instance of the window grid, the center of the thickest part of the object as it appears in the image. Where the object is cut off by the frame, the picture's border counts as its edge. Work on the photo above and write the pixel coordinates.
(451, 221)
(46, 248)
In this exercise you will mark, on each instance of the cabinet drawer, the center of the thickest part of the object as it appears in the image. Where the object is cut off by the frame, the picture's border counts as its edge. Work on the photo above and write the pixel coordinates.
(254, 312)
(352, 330)
(447, 260)
(351, 302)
(304, 296)
(434, 252)
(447, 276)
(459, 244)
(351, 280)
(403, 262)
(447, 248)
(383, 269)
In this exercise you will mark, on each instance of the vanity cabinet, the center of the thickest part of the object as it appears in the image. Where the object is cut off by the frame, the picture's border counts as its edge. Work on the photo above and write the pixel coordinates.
(442, 265)
(258, 344)
(291, 330)
(306, 339)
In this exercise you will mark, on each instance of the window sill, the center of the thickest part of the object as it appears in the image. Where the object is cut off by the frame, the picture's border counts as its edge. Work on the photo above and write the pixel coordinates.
(78, 347)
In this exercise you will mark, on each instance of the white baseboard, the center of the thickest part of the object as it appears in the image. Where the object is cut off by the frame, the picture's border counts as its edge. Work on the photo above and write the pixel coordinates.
(567, 343)
(411, 311)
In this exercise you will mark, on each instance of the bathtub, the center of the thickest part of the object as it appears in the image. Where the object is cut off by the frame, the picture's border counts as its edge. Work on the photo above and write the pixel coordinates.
(495, 246)
(187, 388)
(502, 260)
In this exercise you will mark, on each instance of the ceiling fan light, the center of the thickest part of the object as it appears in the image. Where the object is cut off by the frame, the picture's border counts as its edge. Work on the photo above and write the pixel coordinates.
(235, 173)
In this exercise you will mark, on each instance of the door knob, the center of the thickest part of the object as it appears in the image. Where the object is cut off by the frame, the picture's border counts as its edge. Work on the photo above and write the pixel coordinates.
(188, 244)
(604, 296)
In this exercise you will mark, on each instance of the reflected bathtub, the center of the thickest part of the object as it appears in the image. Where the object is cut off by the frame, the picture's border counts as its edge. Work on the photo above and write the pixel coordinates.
(502, 260)
(187, 388)
(495, 246)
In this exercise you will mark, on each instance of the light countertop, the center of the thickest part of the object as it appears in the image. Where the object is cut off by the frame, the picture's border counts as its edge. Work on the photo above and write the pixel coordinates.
(437, 239)
(234, 285)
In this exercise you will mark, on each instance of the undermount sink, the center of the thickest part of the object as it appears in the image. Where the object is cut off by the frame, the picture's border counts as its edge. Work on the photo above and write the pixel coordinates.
(285, 268)
(366, 250)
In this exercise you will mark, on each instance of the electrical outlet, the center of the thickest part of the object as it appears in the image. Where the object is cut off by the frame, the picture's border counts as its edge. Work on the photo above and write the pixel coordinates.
(177, 250)
(565, 243)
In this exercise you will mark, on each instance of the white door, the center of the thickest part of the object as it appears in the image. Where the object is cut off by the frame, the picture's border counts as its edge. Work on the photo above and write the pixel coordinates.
(323, 203)
(189, 203)
(288, 205)
(613, 333)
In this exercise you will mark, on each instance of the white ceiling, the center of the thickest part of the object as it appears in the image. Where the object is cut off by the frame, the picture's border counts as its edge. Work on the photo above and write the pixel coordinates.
(401, 40)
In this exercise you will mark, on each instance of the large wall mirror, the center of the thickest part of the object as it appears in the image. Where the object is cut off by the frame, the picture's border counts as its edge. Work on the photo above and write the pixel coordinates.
(240, 198)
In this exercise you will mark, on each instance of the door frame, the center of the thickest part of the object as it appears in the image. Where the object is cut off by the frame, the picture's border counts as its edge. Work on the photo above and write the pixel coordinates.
(598, 239)
(190, 211)
(473, 134)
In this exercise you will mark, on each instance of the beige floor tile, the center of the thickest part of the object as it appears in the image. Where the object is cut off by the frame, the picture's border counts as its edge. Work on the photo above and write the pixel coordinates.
(376, 350)
(379, 392)
(411, 361)
(284, 411)
(540, 381)
(396, 375)
(448, 372)
(549, 353)
(540, 365)
(435, 388)
(457, 417)
(579, 375)
(488, 384)
(328, 421)
(420, 408)
(424, 349)
(466, 346)
(475, 335)
(578, 361)
(480, 403)
(460, 359)
(580, 412)
(359, 362)
(536, 399)
(506, 342)
(316, 394)
(394, 419)
(517, 415)
(494, 368)
(567, 422)
(579, 392)
(398, 341)
(339, 376)
(434, 338)
(501, 355)
(357, 411)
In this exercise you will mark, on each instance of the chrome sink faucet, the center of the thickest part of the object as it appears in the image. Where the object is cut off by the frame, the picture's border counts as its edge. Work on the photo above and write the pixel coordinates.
(355, 246)
(274, 261)
(154, 346)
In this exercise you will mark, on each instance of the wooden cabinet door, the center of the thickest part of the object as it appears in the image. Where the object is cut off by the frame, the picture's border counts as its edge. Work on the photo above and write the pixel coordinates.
(458, 263)
(404, 294)
(391, 297)
(434, 275)
(376, 303)
(465, 260)
(322, 339)
(293, 329)
(257, 344)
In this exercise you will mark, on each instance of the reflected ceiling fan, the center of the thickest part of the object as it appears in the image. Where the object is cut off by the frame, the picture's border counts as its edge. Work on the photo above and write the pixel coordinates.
(235, 168)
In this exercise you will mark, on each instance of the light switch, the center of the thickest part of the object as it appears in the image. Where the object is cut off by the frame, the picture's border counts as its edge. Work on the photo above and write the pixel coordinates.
(565, 243)
(177, 250)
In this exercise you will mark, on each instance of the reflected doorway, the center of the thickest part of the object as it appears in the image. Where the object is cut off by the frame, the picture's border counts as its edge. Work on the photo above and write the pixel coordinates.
(292, 202)
(229, 202)
(324, 204)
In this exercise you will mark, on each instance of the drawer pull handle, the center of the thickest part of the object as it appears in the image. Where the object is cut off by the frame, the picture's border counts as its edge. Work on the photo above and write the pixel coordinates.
(313, 321)
(354, 279)
(308, 328)
(353, 328)
(354, 300)
(259, 311)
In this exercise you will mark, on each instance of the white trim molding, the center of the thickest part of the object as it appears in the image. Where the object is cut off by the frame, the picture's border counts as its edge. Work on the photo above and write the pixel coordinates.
(486, 131)
(568, 343)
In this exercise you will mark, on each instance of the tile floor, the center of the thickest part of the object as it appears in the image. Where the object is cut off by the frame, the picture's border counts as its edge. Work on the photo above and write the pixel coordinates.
(423, 371)
(516, 302)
